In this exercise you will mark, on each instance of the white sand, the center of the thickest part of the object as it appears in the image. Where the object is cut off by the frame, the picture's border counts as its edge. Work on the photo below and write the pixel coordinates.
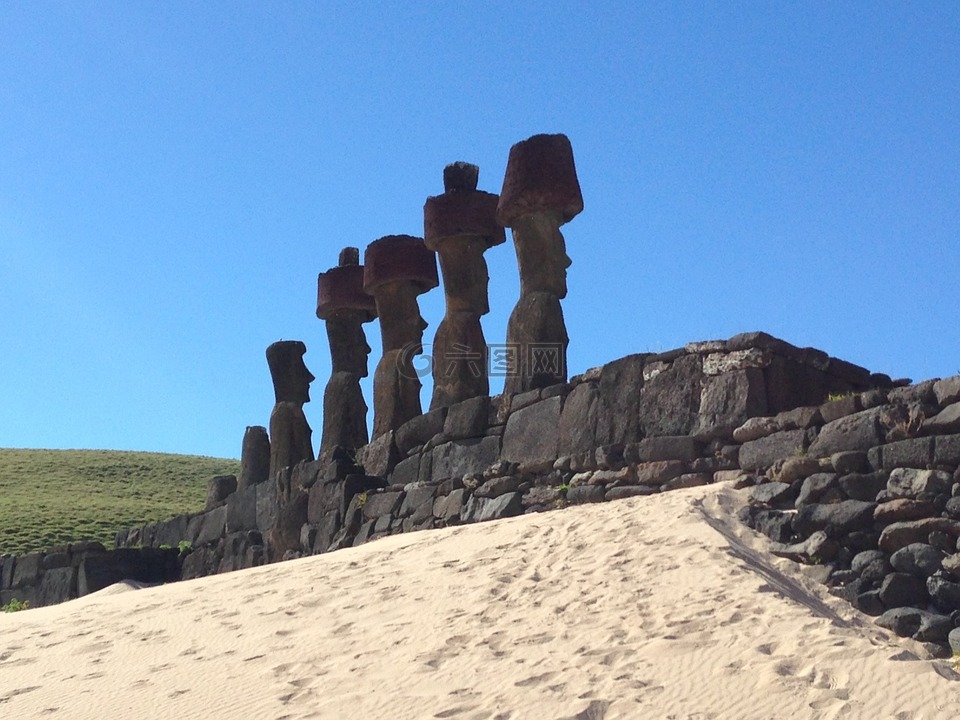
(634, 609)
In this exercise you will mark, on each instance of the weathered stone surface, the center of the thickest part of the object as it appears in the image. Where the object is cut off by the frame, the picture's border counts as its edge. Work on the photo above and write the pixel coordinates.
(916, 623)
(497, 486)
(792, 383)
(543, 496)
(799, 418)
(578, 420)
(449, 507)
(912, 453)
(284, 536)
(756, 428)
(862, 560)
(213, 525)
(406, 471)
(951, 563)
(841, 407)
(463, 457)
(723, 362)
(657, 473)
(219, 489)
(418, 430)
(918, 559)
(624, 476)
(763, 453)
(628, 491)
(242, 510)
(148, 565)
(901, 534)
(382, 503)
(946, 450)
(845, 463)
(56, 586)
(797, 468)
(947, 390)
(482, 509)
(267, 504)
(668, 447)
(380, 456)
(670, 401)
(837, 519)
(860, 431)
(467, 419)
(582, 494)
(903, 589)
(902, 509)
(773, 495)
(908, 482)
(727, 400)
(863, 486)
(254, 457)
(944, 593)
(619, 391)
(531, 436)
(819, 488)
(687, 480)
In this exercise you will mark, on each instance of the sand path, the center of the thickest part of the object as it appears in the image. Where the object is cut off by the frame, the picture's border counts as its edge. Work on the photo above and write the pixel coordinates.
(657, 607)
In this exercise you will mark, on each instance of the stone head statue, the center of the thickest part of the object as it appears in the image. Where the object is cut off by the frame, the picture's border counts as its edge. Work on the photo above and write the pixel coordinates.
(461, 226)
(540, 193)
(397, 269)
(291, 379)
(344, 305)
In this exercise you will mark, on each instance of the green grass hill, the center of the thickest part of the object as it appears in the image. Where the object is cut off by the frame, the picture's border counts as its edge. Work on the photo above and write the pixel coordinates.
(52, 497)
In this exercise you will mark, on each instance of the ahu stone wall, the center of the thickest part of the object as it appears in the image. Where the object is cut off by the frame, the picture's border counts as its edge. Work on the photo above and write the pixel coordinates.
(643, 424)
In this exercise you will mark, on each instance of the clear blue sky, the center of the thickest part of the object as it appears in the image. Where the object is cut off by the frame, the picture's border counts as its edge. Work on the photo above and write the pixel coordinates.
(174, 175)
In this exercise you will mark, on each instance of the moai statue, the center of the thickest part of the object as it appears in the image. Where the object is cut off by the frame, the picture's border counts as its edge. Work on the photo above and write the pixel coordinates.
(396, 269)
(254, 457)
(345, 307)
(460, 226)
(540, 193)
(289, 432)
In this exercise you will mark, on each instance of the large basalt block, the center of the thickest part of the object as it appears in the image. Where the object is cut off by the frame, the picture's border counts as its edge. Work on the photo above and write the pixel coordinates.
(578, 420)
(670, 400)
(213, 526)
(173, 531)
(268, 504)
(912, 453)
(620, 387)
(467, 419)
(860, 431)
(946, 450)
(462, 457)
(763, 453)
(910, 482)
(219, 489)
(791, 383)
(837, 519)
(420, 429)
(380, 456)
(242, 510)
(57, 586)
(532, 435)
(728, 400)
(147, 565)
(27, 570)
(482, 509)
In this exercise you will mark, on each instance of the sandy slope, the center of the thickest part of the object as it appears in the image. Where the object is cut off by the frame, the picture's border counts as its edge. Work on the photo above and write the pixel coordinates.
(644, 608)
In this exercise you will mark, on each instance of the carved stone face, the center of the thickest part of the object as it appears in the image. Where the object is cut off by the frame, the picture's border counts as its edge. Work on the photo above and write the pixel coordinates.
(465, 274)
(291, 379)
(348, 343)
(541, 255)
(400, 322)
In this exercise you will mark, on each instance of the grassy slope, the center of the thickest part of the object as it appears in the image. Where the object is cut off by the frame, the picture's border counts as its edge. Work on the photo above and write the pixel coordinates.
(50, 497)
